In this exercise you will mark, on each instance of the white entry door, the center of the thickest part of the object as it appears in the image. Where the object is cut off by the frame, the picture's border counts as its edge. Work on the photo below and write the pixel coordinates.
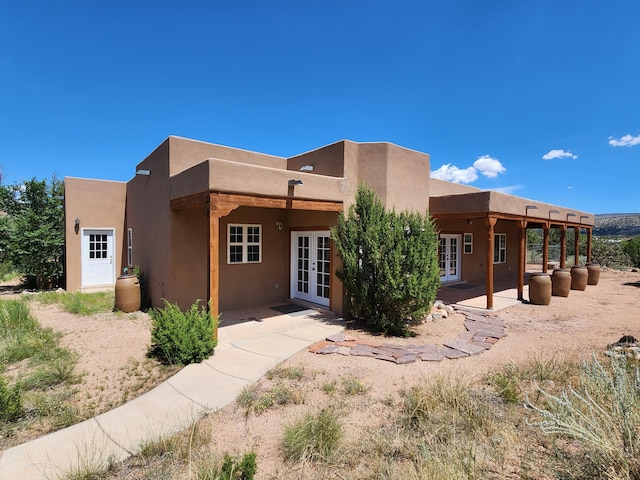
(310, 266)
(449, 254)
(97, 250)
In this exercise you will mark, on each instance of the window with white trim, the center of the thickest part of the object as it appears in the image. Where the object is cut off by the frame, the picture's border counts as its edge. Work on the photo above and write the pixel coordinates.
(468, 243)
(244, 243)
(499, 248)
(130, 246)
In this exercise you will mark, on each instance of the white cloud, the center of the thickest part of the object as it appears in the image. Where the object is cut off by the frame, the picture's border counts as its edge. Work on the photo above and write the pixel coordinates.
(454, 174)
(486, 165)
(489, 167)
(560, 153)
(509, 189)
(624, 141)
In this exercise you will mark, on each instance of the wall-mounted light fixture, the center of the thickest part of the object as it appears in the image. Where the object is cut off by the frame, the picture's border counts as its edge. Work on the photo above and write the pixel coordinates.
(293, 183)
(279, 225)
(143, 172)
(306, 168)
(469, 222)
(77, 223)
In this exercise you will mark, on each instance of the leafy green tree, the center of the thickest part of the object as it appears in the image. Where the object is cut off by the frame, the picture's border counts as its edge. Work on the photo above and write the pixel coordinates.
(390, 266)
(32, 230)
(632, 248)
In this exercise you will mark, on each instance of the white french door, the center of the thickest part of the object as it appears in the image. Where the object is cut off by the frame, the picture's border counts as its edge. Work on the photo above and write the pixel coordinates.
(311, 266)
(98, 266)
(449, 257)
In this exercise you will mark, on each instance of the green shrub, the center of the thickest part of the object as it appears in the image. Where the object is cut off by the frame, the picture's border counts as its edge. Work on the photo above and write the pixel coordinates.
(390, 266)
(181, 338)
(234, 468)
(632, 249)
(314, 437)
(10, 402)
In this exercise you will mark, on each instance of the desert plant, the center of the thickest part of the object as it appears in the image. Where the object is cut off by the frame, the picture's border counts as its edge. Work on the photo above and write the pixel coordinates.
(313, 437)
(235, 468)
(609, 253)
(180, 338)
(603, 413)
(632, 249)
(389, 263)
(10, 402)
(353, 386)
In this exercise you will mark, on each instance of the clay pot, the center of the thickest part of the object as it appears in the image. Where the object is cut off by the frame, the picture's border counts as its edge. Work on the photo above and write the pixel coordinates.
(127, 293)
(579, 277)
(593, 276)
(540, 288)
(561, 282)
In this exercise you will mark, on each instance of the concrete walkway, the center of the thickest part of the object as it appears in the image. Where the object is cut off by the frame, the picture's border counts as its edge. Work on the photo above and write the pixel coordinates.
(254, 341)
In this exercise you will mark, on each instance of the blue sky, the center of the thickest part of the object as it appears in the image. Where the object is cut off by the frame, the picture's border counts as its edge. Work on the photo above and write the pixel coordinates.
(539, 99)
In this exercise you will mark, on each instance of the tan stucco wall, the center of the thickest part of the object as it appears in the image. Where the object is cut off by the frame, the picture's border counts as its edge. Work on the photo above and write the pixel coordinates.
(149, 215)
(97, 204)
(327, 160)
(442, 187)
(473, 266)
(186, 153)
(256, 283)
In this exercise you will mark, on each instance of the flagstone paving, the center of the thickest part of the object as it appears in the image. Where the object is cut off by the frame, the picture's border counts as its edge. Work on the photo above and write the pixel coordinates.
(483, 330)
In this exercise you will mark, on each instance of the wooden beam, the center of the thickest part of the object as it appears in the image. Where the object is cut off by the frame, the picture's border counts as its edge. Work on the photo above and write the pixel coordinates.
(577, 244)
(201, 199)
(216, 211)
(589, 243)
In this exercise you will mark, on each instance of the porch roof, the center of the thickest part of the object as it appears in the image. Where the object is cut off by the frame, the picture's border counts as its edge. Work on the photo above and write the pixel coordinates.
(488, 203)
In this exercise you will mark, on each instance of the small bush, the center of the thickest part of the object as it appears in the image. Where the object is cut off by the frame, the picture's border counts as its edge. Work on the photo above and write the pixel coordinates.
(352, 386)
(182, 338)
(314, 437)
(10, 402)
(235, 468)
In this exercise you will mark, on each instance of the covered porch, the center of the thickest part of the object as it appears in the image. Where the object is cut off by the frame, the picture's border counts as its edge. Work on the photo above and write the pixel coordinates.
(498, 226)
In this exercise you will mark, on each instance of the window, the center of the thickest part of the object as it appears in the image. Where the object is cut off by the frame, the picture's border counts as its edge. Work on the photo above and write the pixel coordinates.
(499, 248)
(468, 243)
(244, 243)
(97, 245)
(130, 246)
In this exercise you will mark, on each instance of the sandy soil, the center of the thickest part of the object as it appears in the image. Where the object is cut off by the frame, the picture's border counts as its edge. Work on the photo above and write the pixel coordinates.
(112, 350)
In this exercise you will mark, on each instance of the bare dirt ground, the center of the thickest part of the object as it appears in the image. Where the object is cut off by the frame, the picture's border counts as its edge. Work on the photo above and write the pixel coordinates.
(112, 349)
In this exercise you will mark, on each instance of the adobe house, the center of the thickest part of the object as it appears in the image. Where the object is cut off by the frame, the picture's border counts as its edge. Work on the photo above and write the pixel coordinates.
(240, 228)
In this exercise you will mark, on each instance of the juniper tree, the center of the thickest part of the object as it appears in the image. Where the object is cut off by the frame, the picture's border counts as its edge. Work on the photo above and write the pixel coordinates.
(389, 263)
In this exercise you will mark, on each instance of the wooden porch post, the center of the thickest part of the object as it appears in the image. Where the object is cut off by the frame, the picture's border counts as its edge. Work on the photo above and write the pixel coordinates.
(216, 211)
(491, 222)
(589, 240)
(576, 231)
(563, 246)
(545, 247)
(522, 252)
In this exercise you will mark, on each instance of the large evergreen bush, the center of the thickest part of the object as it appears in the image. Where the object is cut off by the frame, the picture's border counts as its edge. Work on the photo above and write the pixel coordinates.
(32, 230)
(389, 263)
(180, 338)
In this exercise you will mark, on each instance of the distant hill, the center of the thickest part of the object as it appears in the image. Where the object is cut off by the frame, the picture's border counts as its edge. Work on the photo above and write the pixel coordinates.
(617, 225)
